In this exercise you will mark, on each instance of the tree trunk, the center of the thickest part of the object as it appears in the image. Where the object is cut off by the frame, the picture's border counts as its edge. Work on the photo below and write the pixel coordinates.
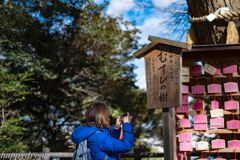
(214, 32)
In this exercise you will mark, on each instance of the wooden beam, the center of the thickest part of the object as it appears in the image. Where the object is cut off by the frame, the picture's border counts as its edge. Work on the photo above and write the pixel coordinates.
(144, 50)
(208, 112)
(227, 131)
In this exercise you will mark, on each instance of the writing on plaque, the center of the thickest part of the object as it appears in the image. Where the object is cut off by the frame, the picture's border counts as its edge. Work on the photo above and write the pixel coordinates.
(214, 88)
(200, 119)
(234, 144)
(198, 89)
(231, 87)
(163, 77)
(196, 70)
(218, 143)
(218, 71)
(216, 113)
(217, 121)
(214, 105)
(184, 137)
(234, 124)
(179, 156)
(184, 100)
(231, 105)
(185, 146)
(199, 105)
(230, 69)
(183, 109)
(202, 145)
(185, 123)
(200, 126)
(185, 89)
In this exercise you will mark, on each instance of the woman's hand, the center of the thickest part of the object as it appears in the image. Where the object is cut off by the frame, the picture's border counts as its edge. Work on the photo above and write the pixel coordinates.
(118, 122)
(127, 119)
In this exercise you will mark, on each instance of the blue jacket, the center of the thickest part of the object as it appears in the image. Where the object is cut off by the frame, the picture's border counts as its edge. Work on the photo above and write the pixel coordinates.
(102, 143)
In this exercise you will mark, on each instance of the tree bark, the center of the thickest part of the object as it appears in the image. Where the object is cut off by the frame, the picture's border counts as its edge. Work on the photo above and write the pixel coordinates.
(215, 32)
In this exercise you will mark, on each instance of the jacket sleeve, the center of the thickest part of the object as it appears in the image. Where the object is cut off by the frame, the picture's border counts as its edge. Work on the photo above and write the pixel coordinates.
(75, 137)
(110, 144)
(116, 132)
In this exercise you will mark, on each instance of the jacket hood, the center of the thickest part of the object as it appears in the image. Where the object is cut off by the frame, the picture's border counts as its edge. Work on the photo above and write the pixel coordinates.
(81, 133)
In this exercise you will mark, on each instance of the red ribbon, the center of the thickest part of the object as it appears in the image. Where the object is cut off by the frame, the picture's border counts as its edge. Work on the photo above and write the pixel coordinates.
(214, 97)
(198, 97)
(235, 153)
(230, 78)
(231, 96)
(218, 154)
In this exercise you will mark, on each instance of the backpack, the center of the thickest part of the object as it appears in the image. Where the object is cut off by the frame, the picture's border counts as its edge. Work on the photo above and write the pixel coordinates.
(82, 152)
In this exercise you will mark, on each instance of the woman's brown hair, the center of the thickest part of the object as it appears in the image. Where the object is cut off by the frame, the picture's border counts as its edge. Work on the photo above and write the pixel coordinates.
(98, 113)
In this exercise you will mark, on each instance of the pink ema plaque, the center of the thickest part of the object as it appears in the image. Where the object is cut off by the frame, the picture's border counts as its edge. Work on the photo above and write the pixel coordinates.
(179, 156)
(200, 119)
(217, 121)
(231, 105)
(230, 69)
(231, 87)
(234, 144)
(199, 89)
(184, 137)
(218, 143)
(185, 123)
(218, 71)
(214, 105)
(185, 89)
(198, 105)
(214, 88)
(184, 100)
(200, 126)
(234, 124)
(196, 70)
(185, 146)
(183, 109)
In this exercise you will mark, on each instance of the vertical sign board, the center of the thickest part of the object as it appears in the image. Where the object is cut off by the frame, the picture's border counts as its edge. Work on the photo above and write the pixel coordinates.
(163, 64)
(163, 74)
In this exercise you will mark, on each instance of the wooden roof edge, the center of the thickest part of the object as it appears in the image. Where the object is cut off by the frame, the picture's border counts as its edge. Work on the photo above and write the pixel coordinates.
(156, 40)
(170, 42)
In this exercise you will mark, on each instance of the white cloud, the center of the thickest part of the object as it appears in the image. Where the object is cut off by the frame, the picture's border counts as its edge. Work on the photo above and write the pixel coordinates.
(140, 71)
(163, 3)
(151, 26)
(117, 7)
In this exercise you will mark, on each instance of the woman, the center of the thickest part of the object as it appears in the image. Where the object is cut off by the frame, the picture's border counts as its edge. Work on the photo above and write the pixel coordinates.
(100, 141)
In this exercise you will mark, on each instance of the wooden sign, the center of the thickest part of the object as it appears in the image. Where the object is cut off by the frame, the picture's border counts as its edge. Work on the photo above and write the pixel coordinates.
(200, 126)
(184, 137)
(209, 69)
(217, 122)
(184, 100)
(218, 143)
(214, 88)
(230, 69)
(202, 145)
(214, 105)
(199, 105)
(216, 113)
(196, 70)
(231, 105)
(230, 87)
(185, 146)
(164, 76)
(184, 123)
(185, 89)
(185, 79)
(200, 119)
(218, 71)
(183, 109)
(233, 124)
(179, 156)
(198, 89)
(234, 144)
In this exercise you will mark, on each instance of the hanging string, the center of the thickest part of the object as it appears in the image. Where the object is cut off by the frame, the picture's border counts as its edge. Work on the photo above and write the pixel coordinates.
(218, 154)
(214, 97)
(202, 154)
(197, 80)
(198, 97)
(201, 135)
(235, 153)
(231, 96)
(233, 115)
(217, 134)
(185, 155)
(230, 78)
(213, 79)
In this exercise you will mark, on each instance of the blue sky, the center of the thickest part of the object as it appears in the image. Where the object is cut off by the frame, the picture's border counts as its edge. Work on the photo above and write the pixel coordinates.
(149, 21)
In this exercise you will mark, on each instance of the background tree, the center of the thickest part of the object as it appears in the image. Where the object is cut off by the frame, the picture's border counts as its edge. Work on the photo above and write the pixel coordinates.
(77, 54)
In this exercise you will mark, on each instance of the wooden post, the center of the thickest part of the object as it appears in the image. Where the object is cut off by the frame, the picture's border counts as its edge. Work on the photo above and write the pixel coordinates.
(46, 151)
(137, 152)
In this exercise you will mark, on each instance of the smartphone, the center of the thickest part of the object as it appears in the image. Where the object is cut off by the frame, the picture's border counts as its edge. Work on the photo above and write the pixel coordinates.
(124, 115)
